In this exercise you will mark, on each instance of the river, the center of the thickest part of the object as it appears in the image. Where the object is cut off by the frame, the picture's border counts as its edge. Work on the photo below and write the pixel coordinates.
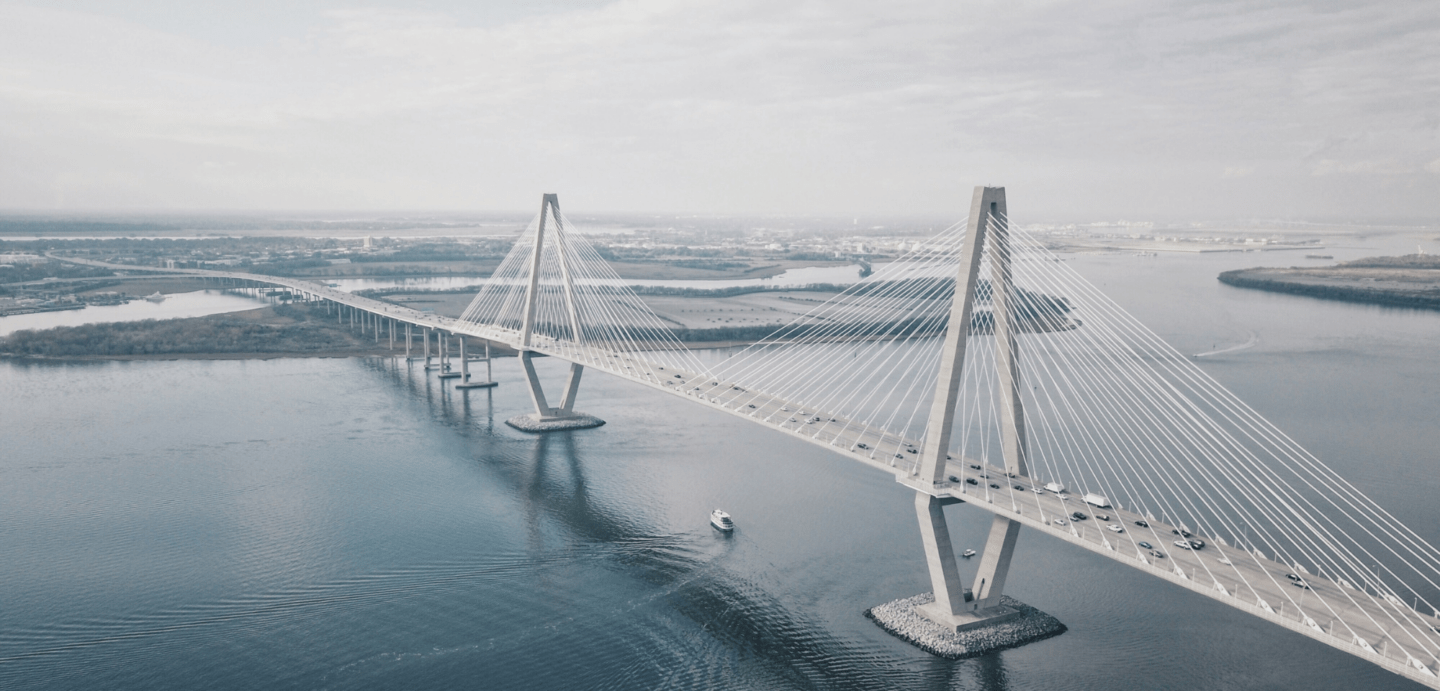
(348, 523)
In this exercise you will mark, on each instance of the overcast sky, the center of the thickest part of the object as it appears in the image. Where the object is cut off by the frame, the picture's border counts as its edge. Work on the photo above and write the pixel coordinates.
(1083, 110)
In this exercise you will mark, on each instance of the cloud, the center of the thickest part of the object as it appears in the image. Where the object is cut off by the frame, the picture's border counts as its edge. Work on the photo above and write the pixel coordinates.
(706, 105)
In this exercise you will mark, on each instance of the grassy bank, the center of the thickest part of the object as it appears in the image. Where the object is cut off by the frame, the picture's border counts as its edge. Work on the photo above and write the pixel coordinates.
(285, 330)
(1410, 281)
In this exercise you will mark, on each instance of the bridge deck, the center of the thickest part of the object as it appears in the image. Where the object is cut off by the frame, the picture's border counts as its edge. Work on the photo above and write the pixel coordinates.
(1350, 620)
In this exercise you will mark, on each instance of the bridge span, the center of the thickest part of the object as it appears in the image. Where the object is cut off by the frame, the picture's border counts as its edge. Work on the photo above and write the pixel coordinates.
(978, 369)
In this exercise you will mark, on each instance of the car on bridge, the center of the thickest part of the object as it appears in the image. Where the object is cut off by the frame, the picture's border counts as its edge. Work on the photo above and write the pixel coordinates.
(1019, 488)
(1145, 544)
(1181, 533)
(1060, 521)
(1078, 516)
(971, 481)
(1158, 554)
(1197, 544)
(1142, 524)
(1183, 544)
(1114, 528)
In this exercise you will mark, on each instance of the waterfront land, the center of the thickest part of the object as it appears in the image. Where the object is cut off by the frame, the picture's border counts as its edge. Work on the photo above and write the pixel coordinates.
(1404, 281)
(269, 332)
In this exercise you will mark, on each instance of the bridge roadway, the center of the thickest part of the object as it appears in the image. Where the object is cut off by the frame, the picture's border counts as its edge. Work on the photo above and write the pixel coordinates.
(1356, 622)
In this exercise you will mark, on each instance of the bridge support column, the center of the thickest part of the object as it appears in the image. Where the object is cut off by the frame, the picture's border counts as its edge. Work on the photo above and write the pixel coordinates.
(545, 418)
(465, 382)
(960, 622)
(446, 371)
(425, 334)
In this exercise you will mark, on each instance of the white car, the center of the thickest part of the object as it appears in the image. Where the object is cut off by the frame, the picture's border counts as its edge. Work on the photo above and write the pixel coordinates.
(1114, 528)
(1183, 544)
(1059, 521)
(1224, 560)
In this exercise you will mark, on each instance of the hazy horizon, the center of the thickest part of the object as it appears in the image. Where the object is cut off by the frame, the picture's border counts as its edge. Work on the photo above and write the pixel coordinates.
(1082, 111)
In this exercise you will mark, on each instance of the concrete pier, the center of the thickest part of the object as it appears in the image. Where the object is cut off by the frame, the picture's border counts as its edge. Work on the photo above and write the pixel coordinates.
(445, 368)
(904, 619)
(465, 382)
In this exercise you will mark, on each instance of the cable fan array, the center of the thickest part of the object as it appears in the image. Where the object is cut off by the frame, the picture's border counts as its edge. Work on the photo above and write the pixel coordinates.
(584, 312)
(1108, 408)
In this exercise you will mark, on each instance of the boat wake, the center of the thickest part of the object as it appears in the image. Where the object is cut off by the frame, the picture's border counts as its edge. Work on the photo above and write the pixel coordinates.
(1254, 339)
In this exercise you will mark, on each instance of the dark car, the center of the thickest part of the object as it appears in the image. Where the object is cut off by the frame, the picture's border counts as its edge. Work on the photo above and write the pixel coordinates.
(975, 467)
(752, 405)
(862, 445)
(1158, 554)
(994, 486)
(1142, 524)
(1197, 544)
(1102, 516)
(1146, 545)
(954, 479)
(1301, 584)
(971, 481)
(1019, 488)
(1181, 533)
(1292, 577)
(1078, 516)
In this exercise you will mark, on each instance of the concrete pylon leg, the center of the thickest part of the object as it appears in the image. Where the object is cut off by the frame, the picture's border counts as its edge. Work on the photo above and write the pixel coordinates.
(572, 387)
(537, 394)
(995, 562)
(545, 418)
(950, 595)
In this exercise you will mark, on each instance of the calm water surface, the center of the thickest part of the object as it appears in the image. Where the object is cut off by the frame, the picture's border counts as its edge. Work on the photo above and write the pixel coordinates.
(353, 524)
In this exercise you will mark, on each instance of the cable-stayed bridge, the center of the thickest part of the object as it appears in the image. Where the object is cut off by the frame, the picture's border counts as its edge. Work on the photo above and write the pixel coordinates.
(980, 368)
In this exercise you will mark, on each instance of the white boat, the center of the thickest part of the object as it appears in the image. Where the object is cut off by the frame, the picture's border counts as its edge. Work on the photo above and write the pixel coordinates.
(721, 521)
(968, 553)
(157, 296)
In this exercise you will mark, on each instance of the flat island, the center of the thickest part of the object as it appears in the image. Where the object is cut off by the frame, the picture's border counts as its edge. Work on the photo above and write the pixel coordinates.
(1411, 280)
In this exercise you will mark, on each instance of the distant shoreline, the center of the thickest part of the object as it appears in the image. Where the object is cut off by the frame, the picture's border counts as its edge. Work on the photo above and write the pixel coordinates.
(1411, 281)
